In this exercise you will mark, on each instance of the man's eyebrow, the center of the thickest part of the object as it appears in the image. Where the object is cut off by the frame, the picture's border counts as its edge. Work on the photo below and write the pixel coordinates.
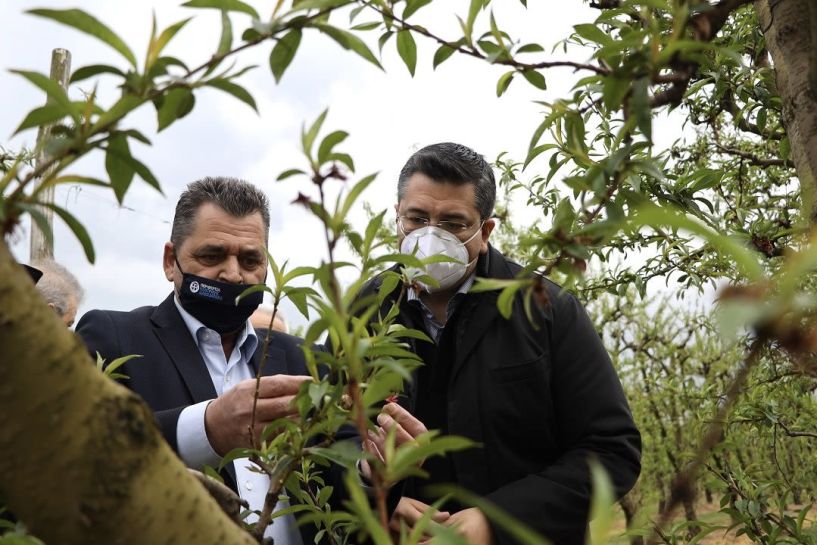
(210, 249)
(418, 211)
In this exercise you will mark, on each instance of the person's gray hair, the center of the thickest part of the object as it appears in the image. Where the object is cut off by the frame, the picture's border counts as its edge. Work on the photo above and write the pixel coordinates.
(58, 286)
(238, 198)
(448, 162)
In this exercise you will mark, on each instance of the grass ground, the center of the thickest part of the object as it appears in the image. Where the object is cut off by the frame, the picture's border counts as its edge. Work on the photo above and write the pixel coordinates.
(709, 514)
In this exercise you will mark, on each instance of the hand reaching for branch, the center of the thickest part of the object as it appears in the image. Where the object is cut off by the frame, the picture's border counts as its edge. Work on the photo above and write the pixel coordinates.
(227, 419)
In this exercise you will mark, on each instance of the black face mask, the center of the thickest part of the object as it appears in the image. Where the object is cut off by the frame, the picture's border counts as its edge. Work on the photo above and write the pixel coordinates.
(212, 302)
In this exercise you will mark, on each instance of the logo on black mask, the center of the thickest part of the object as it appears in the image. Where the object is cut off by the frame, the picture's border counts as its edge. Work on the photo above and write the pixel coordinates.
(213, 302)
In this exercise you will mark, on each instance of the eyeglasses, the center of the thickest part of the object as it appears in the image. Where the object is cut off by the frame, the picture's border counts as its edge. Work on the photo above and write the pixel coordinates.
(411, 223)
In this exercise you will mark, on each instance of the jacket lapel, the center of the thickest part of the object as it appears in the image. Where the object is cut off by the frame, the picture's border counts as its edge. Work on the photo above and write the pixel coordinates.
(276, 358)
(182, 350)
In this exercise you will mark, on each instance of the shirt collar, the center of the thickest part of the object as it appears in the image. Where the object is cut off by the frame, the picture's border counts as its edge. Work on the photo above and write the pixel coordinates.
(413, 295)
(247, 339)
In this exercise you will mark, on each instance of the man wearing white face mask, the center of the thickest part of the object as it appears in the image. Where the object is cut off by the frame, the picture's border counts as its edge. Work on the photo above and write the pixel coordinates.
(541, 396)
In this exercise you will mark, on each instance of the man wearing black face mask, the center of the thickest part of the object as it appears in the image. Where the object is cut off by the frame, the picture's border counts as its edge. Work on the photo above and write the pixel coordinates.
(199, 351)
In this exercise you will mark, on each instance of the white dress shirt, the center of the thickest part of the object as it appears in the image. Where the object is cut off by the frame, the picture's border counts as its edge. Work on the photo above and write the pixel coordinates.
(195, 449)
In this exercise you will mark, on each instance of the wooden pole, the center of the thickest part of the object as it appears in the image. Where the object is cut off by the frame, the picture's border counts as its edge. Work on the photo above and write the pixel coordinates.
(42, 246)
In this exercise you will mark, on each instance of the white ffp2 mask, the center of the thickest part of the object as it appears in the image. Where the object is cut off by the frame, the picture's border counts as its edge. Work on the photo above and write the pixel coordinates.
(430, 241)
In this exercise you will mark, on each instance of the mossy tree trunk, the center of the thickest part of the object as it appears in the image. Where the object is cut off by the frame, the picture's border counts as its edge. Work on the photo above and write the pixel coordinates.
(790, 28)
(81, 460)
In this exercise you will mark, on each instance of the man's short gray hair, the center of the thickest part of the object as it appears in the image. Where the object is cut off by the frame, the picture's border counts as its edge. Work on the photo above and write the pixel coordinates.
(236, 197)
(58, 286)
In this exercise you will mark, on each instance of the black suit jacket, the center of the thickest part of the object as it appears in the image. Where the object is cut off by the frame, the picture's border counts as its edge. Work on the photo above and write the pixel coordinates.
(171, 373)
(541, 397)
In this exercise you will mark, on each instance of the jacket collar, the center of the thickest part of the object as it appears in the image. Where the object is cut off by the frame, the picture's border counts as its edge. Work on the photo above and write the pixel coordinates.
(182, 349)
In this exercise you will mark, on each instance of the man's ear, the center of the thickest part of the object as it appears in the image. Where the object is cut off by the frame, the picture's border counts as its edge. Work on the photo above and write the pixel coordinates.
(169, 261)
(487, 227)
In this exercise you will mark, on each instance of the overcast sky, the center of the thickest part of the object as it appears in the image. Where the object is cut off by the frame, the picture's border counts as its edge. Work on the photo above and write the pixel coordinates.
(388, 114)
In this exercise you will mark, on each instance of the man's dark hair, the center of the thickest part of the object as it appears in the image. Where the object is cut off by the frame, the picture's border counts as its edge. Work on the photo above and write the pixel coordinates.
(236, 197)
(453, 163)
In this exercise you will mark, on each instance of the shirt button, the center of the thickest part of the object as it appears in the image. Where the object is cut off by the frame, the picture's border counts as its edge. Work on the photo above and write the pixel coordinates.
(248, 485)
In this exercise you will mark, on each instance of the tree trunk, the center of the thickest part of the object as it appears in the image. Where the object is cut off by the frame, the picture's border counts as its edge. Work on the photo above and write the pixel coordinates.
(790, 28)
(81, 460)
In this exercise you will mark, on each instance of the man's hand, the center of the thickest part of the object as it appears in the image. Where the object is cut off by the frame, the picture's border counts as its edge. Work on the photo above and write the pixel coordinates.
(409, 512)
(473, 526)
(406, 428)
(227, 419)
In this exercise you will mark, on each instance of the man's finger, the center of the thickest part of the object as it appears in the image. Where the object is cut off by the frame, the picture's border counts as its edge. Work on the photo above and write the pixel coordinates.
(269, 409)
(280, 385)
(411, 424)
(400, 434)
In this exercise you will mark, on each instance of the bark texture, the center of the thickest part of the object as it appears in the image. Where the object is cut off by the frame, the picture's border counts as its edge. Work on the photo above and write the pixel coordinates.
(790, 28)
(81, 460)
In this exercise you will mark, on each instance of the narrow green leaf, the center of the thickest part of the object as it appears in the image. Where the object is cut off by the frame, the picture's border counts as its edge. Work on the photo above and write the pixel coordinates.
(283, 53)
(367, 26)
(328, 143)
(39, 218)
(308, 136)
(86, 72)
(77, 228)
(442, 53)
(355, 193)
(226, 40)
(504, 81)
(44, 115)
(347, 40)
(473, 11)
(164, 38)
(407, 49)
(412, 6)
(88, 24)
(176, 104)
(225, 5)
(592, 33)
(119, 170)
(234, 89)
(535, 78)
(56, 94)
(288, 173)
(530, 48)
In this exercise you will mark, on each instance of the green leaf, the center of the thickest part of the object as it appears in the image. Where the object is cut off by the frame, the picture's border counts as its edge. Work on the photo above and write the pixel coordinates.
(308, 136)
(234, 89)
(355, 192)
(640, 106)
(412, 6)
(118, 362)
(535, 78)
(504, 82)
(530, 48)
(89, 71)
(120, 171)
(601, 504)
(128, 162)
(473, 11)
(614, 90)
(44, 115)
(88, 24)
(164, 38)
(225, 5)
(407, 49)
(287, 173)
(592, 33)
(442, 53)
(347, 40)
(226, 40)
(283, 53)
(77, 228)
(56, 94)
(176, 104)
(328, 143)
(785, 148)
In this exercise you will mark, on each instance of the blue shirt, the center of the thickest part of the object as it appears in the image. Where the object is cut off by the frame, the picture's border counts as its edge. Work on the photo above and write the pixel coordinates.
(433, 327)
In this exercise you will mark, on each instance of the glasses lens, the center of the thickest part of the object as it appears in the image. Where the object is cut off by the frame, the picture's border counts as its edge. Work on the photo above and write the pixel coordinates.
(452, 227)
